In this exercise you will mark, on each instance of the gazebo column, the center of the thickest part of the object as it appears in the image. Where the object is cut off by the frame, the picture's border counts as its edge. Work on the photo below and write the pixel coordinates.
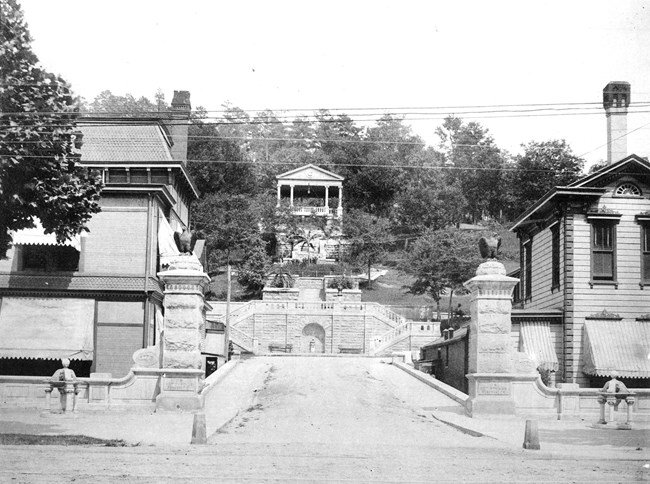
(327, 197)
(279, 196)
(339, 210)
(291, 195)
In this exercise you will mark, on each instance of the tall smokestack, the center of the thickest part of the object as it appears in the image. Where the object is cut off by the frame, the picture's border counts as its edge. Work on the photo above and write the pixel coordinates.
(616, 99)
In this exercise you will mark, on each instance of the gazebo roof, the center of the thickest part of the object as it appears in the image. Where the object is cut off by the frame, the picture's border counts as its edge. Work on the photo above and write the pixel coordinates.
(309, 173)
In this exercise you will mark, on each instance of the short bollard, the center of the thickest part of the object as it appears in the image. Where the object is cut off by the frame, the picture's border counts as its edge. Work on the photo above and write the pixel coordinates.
(531, 437)
(199, 433)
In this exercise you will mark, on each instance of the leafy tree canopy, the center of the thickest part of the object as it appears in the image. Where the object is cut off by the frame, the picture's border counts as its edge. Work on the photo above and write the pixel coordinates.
(476, 164)
(442, 260)
(40, 173)
(542, 166)
(369, 237)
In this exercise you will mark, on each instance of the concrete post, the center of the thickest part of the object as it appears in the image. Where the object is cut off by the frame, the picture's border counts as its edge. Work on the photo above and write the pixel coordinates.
(183, 334)
(490, 372)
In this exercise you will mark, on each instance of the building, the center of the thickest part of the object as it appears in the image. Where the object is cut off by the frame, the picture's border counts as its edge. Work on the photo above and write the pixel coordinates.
(97, 299)
(315, 195)
(585, 257)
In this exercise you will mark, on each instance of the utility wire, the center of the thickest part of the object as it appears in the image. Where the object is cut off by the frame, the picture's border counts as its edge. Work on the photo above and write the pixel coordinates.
(598, 105)
(108, 164)
(134, 120)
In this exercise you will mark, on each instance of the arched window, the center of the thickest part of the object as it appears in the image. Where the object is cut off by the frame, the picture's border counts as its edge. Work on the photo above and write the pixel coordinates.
(628, 189)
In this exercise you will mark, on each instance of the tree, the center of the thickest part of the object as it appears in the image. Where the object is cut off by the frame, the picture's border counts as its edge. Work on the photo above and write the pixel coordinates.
(254, 268)
(229, 224)
(423, 206)
(390, 147)
(126, 106)
(218, 157)
(306, 237)
(476, 164)
(442, 260)
(369, 236)
(40, 173)
(542, 166)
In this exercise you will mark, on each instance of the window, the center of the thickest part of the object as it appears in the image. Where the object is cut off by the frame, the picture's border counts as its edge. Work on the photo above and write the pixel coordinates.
(117, 176)
(555, 256)
(645, 253)
(528, 277)
(50, 258)
(602, 251)
(628, 189)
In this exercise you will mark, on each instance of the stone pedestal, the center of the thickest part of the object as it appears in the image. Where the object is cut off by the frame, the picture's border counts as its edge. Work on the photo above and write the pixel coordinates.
(490, 368)
(183, 334)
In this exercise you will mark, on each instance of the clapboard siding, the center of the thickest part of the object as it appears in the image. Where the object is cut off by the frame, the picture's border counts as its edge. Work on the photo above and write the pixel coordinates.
(626, 298)
(543, 297)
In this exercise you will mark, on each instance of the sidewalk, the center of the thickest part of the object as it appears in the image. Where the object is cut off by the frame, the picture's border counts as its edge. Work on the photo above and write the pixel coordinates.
(567, 438)
(559, 438)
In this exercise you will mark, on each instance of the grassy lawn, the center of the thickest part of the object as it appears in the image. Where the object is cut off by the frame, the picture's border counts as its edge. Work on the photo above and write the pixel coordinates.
(31, 439)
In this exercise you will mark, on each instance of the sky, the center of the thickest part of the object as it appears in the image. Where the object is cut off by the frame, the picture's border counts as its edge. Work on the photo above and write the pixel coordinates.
(380, 55)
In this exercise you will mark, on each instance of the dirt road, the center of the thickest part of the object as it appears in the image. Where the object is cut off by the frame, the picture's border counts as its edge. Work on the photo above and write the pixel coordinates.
(321, 420)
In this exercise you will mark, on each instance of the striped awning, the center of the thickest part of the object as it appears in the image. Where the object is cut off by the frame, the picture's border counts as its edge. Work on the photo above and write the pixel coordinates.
(46, 328)
(621, 346)
(37, 236)
(535, 341)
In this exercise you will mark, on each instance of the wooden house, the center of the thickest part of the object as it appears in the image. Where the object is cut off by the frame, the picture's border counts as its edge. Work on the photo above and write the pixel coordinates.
(585, 256)
(97, 299)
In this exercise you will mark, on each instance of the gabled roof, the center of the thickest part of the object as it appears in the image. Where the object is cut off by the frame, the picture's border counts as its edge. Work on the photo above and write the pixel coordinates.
(590, 186)
(310, 172)
(630, 165)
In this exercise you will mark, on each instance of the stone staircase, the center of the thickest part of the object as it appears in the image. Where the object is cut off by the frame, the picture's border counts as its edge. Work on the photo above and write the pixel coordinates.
(244, 318)
(413, 334)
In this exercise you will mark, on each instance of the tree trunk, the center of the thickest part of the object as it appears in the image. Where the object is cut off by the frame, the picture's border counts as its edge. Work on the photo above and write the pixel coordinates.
(449, 317)
(439, 316)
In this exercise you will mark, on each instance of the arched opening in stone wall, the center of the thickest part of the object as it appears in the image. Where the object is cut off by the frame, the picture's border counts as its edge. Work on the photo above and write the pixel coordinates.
(312, 339)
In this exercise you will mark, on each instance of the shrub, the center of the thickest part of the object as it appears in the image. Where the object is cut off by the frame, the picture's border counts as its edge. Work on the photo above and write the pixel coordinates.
(341, 281)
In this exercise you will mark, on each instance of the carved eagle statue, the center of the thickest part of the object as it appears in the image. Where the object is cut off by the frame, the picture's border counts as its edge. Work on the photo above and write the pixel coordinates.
(185, 241)
(489, 246)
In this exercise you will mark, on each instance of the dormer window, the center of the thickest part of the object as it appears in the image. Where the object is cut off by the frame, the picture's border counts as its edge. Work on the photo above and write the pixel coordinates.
(628, 189)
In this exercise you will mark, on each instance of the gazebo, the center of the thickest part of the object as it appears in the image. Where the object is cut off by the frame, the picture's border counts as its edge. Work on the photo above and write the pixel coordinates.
(309, 190)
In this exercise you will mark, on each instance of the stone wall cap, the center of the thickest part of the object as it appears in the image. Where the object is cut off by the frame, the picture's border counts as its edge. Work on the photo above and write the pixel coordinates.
(182, 273)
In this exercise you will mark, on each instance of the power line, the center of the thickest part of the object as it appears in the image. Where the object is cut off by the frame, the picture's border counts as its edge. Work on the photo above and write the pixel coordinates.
(384, 108)
(371, 111)
(123, 121)
(615, 139)
(108, 164)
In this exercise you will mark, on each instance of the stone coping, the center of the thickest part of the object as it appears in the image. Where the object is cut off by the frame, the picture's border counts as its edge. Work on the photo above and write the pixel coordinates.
(445, 389)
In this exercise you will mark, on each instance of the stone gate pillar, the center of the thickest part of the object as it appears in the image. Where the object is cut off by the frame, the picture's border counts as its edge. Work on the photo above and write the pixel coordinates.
(490, 369)
(183, 334)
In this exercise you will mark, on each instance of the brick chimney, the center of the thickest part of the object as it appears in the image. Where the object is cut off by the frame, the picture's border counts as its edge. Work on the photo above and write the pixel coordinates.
(178, 124)
(616, 99)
